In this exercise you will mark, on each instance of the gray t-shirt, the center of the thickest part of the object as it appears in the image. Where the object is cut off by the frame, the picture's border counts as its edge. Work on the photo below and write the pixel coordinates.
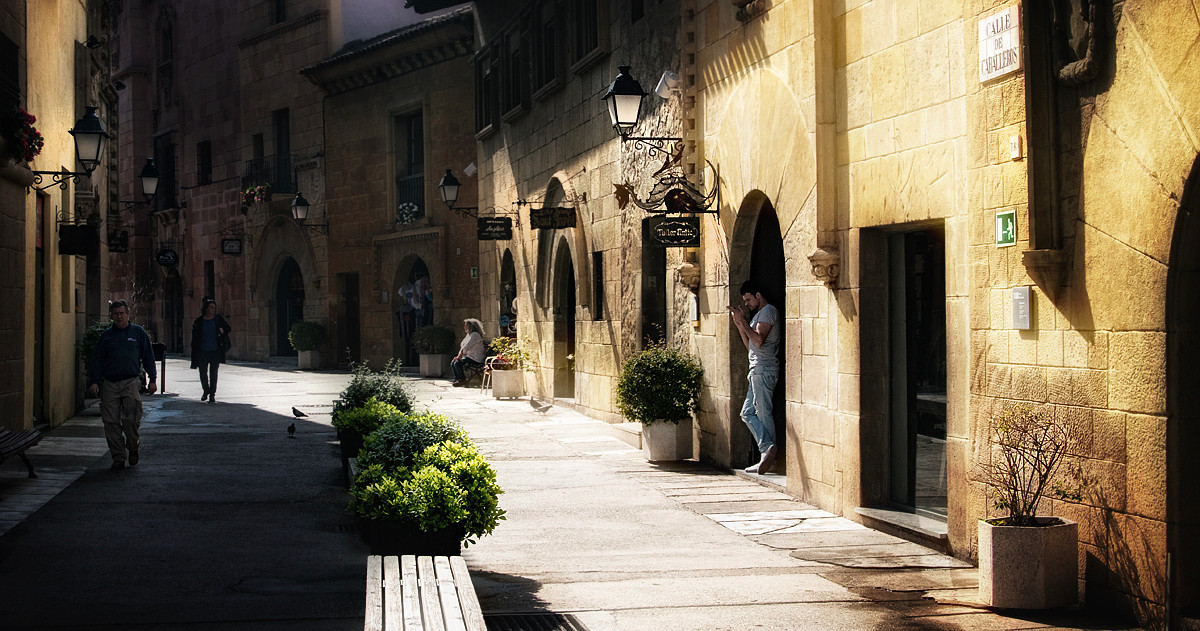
(765, 356)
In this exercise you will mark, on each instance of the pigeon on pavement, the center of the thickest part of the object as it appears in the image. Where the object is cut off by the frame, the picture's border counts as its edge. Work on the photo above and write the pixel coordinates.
(540, 407)
(292, 430)
(298, 414)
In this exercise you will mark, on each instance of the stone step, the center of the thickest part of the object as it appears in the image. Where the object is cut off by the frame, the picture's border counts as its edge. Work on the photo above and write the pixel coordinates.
(630, 433)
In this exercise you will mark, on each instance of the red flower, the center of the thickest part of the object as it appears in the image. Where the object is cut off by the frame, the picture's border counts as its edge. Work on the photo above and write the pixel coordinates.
(28, 140)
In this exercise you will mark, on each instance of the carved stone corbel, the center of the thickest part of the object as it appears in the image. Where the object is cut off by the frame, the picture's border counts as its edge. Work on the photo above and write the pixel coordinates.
(826, 265)
(1047, 268)
(689, 275)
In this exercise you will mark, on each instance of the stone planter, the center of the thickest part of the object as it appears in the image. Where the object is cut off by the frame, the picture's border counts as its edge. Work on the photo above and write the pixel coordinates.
(389, 537)
(309, 360)
(434, 365)
(351, 442)
(1029, 567)
(508, 384)
(664, 440)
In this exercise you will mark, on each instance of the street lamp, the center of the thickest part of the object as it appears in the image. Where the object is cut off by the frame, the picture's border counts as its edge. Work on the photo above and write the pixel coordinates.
(624, 99)
(300, 208)
(149, 178)
(448, 188)
(89, 138)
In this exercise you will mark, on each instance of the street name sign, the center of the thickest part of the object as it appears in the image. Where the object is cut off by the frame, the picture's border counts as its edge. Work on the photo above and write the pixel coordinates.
(1000, 44)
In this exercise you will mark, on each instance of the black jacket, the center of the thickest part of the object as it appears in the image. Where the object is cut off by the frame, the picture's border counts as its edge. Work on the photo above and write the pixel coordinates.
(222, 339)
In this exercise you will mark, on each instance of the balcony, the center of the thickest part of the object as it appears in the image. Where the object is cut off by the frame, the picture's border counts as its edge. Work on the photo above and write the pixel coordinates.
(274, 170)
(411, 188)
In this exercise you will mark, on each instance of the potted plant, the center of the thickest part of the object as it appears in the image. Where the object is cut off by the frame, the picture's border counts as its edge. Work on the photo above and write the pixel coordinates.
(508, 366)
(659, 387)
(433, 342)
(384, 387)
(306, 338)
(354, 424)
(1027, 561)
(424, 488)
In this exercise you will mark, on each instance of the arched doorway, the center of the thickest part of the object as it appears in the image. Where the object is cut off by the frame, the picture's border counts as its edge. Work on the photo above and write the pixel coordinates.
(564, 324)
(508, 295)
(1183, 408)
(414, 309)
(289, 305)
(766, 269)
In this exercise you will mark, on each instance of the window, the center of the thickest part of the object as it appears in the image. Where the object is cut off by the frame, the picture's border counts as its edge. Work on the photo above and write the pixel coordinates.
(585, 27)
(409, 136)
(281, 176)
(487, 92)
(516, 73)
(278, 11)
(597, 285)
(637, 9)
(10, 92)
(164, 159)
(546, 66)
(204, 162)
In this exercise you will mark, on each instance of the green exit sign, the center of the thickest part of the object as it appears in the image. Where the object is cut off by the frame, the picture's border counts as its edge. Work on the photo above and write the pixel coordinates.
(1006, 228)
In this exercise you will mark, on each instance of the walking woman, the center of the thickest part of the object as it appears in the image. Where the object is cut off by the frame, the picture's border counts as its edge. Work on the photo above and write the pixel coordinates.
(210, 340)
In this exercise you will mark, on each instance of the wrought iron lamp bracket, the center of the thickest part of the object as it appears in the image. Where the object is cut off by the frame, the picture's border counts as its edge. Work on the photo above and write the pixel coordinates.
(59, 178)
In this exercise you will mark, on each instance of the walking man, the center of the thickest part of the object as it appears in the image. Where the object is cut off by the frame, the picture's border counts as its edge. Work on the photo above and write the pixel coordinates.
(114, 373)
(761, 337)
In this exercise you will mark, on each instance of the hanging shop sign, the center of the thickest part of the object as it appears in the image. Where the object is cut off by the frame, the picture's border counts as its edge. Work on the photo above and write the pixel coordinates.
(167, 257)
(675, 232)
(551, 218)
(231, 246)
(494, 228)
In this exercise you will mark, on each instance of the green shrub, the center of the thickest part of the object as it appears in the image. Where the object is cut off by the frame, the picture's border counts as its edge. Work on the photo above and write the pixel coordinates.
(306, 336)
(91, 337)
(385, 385)
(433, 340)
(397, 443)
(659, 383)
(367, 417)
(450, 483)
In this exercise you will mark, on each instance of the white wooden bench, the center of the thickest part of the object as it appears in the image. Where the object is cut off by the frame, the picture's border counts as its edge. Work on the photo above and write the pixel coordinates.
(408, 593)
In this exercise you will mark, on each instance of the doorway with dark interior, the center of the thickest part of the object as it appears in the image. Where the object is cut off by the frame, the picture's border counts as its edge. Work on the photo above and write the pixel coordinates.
(564, 324)
(767, 271)
(289, 305)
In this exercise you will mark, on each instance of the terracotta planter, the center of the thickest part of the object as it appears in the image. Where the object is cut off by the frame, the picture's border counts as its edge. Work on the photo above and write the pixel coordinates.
(664, 440)
(508, 384)
(388, 537)
(1029, 567)
(433, 365)
(308, 360)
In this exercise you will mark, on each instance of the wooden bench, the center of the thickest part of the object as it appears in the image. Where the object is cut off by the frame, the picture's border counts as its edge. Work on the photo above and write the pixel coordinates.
(429, 593)
(15, 444)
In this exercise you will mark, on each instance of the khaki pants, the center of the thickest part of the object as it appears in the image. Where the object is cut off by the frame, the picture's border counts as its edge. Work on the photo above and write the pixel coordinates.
(121, 409)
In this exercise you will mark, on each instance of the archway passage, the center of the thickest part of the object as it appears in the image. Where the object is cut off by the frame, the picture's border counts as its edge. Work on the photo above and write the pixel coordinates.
(766, 270)
(1183, 409)
(508, 296)
(414, 309)
(289, 305)
(564, 325)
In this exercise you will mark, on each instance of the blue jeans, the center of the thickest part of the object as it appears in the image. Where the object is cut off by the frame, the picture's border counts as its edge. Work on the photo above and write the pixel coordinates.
(756, 412)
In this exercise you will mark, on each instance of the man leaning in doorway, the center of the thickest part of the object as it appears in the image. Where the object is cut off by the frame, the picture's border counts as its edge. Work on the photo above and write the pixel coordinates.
(761, 337)
(114, 373)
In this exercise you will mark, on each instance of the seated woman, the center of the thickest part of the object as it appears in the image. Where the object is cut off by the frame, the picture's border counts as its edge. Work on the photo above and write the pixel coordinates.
(471, 352)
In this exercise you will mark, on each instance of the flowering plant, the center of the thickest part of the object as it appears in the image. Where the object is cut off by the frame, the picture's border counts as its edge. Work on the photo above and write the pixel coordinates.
(18, 126)
(512, 354)
(407, 213)
(257, 194)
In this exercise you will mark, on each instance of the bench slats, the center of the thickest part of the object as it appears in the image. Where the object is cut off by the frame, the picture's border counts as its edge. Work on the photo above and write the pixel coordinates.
(411, 593)
(15, 443)
(412, 599)
(431, 605)
(451, 608)
(472, 612)
(374, 618)
(393, 602)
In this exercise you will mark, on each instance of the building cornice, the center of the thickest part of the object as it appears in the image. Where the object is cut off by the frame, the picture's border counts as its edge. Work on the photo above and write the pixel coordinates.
(286, 27)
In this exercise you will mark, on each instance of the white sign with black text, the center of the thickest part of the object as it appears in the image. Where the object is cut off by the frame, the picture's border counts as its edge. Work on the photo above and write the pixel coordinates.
(1000, 44)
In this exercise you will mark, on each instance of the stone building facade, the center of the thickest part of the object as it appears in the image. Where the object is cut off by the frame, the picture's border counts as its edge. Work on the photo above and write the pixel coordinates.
(51, 291)
(398, 111)
(897, 189)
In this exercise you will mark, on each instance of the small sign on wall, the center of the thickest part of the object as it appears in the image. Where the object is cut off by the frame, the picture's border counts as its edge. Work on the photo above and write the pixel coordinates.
(1000, 44)
(1006, 228)
(1022, 308)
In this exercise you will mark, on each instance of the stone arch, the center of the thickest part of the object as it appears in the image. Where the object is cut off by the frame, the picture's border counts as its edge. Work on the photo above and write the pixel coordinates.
(407, 316)
(282, 240)
(560, 191)
(565, 316)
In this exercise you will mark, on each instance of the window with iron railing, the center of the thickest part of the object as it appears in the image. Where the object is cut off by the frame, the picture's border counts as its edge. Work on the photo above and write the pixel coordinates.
(273, 170)
(411, 189)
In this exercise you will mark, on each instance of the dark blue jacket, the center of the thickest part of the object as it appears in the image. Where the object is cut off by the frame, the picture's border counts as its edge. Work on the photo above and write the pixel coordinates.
(119, 353)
